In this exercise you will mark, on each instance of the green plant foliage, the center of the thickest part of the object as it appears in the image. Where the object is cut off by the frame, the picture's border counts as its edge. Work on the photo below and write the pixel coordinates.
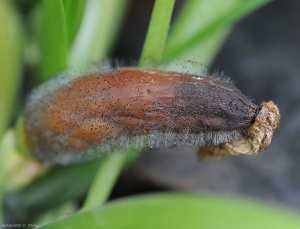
(54, 44)
(180, 211)
(74, 11)
(10, 62)
(201, 27)
(105, 178)
(10, 67)
(157, 32)
(49, 191)
(98, 30)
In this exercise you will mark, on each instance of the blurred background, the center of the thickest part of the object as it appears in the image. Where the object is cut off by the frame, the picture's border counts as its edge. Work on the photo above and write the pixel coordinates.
(261, 55)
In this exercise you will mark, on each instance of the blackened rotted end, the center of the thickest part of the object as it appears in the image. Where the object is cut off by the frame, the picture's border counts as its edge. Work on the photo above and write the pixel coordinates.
(257, 139)
(256, 113)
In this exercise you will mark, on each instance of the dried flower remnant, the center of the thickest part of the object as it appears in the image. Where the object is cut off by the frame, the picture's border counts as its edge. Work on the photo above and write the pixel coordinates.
(70, 119)
(257, 139)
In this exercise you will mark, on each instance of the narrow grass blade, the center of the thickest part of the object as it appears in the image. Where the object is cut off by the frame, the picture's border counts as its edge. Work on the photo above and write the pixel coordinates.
(157, 32)
(54, 39)
(97, 33)
(10, 62)
(201, 19)
(104, 180)
(74, 11)
(10, 69)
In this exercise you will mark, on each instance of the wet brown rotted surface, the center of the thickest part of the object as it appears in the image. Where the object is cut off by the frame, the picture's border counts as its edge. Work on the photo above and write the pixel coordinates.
(98, 108)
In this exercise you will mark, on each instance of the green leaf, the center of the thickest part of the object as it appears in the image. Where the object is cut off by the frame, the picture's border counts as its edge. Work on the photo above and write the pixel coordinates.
(49, 191)
(203, 21)
(74, 11)
(157, 32)
(55, 213)
(104, 180)
(10, 62)
(14, 168)
(54, 44)
(6, 144)
(97, 33)
(10, 68)
(181, 211)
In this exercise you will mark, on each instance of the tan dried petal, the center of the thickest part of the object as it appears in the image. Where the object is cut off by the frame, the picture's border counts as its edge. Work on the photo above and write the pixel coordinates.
(258, 137)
